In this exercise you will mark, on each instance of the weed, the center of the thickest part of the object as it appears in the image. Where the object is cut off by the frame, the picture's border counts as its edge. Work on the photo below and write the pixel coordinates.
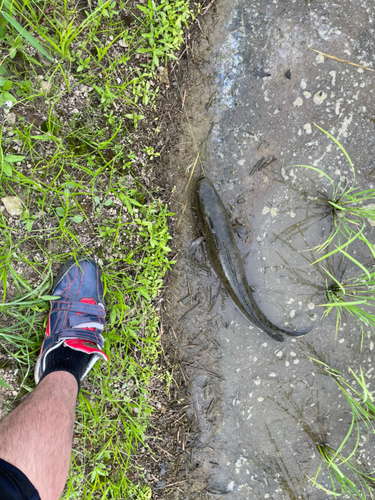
(165, 28)
(346, 472)
(348, 211)
(354, 296)
(6, 161)
(14, 43)
(4, 384)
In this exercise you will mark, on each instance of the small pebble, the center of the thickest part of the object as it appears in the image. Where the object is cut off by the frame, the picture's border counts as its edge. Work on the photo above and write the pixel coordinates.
(311, 306)
(11, 117)
(273, 212)
(292, 313)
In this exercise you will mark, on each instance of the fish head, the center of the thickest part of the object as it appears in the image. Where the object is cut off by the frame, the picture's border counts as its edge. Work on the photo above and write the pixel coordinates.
(205, 196)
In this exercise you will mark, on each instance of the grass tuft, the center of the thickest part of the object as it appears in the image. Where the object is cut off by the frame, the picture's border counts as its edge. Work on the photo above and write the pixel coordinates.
(347, 473)
(350, 207)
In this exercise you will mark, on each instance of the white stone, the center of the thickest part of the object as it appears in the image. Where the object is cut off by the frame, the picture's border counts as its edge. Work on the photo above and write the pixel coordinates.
(13, 205)
(319, 97)
(333, 74)
(230, 486)
(11, 117)
(46, 86)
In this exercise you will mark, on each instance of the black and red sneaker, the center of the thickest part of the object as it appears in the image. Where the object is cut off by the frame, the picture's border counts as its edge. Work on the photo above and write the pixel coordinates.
(77, 318)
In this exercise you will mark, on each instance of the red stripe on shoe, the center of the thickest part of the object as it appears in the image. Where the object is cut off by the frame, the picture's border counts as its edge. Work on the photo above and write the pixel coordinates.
(84, 346)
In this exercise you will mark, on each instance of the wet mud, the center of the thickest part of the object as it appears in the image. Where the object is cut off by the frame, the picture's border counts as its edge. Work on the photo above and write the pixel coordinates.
(253, 93)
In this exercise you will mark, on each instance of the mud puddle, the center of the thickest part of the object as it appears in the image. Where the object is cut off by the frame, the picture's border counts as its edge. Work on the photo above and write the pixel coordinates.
(260, 407)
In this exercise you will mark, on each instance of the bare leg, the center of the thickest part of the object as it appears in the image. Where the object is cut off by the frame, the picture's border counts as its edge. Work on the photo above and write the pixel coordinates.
(37, 436)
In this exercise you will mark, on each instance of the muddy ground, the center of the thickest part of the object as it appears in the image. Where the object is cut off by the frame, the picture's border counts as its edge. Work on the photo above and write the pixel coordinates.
(252, 90)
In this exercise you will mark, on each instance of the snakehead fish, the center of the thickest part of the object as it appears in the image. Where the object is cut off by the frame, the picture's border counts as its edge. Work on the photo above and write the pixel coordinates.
(226, 260)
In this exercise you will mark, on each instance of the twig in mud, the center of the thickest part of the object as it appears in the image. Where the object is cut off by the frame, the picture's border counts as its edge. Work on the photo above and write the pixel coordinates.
(185, 375)
(188, 285)
(184, 197)
(187, 312)
(182, 213)
(183, 99)
(191, 173)
(201, 29)
(341, 60)
(164, 451)
(183, 298)
(205, 9)
(175, 421)
(211, 405)
(174, 332)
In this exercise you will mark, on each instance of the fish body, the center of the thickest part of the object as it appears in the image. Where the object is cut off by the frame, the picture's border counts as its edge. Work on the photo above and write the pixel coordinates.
(226, 260)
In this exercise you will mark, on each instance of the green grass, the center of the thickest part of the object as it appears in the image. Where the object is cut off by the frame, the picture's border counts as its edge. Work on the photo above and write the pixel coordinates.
(349, 212)
(347, 475)
(351, 209)
(353, 296)
(79, 155)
